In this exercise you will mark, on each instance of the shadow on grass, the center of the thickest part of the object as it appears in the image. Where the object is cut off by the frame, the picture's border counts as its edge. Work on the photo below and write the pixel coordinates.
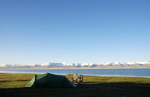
(87, 89)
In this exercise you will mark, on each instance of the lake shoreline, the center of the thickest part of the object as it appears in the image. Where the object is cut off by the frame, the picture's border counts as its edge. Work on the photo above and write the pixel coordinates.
(8, 68)
(138, 72)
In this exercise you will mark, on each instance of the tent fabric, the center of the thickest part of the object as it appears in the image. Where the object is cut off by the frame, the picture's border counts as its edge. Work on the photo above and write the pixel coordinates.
(49, 80)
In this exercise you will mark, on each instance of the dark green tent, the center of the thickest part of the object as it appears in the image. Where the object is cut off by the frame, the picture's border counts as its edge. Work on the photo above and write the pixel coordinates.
(49, 80)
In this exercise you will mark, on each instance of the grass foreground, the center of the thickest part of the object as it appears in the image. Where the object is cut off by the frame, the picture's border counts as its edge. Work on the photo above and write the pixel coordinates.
(13, 85)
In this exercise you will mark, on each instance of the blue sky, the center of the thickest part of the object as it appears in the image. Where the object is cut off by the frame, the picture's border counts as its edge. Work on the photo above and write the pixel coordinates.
(93, 31)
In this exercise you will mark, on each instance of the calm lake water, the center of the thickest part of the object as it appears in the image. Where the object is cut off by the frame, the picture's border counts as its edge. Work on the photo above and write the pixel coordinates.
(96, 72)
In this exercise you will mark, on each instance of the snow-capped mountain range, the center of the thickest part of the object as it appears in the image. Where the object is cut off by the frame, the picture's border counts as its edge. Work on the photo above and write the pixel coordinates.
(64, 64)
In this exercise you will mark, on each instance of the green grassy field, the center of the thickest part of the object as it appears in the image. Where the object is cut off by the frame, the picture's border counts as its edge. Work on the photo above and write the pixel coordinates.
(13, 85)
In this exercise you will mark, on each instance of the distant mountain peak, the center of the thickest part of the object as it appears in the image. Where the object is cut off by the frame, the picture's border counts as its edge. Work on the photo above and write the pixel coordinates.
(64, 64)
